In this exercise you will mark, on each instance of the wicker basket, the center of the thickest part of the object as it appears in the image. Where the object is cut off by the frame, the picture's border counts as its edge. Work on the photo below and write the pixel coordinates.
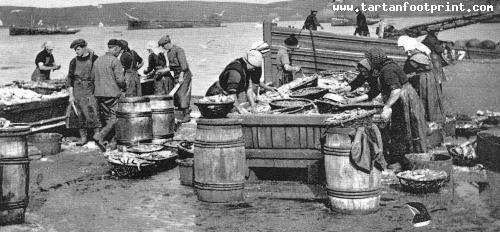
(129, 171)
(310, 93)
(185, 150)
(278, 104)
(458, 159)
(415, 186)
(433, 161)
(327, 107)
(311, 83)
(215, 110)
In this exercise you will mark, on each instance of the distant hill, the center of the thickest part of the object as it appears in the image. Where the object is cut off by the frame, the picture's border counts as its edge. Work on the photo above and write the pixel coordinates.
(114, 14)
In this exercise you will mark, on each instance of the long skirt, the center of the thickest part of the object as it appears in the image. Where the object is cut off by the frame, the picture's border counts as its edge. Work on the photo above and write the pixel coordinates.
(163, 84)
(408, 128)
(133, 84)
(431, 94)
(438, 68)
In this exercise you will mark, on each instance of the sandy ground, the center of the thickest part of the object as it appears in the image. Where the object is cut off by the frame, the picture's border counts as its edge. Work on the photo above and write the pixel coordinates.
(73, 191)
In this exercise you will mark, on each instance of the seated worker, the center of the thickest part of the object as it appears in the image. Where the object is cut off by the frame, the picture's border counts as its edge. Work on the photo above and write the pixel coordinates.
(236, 79)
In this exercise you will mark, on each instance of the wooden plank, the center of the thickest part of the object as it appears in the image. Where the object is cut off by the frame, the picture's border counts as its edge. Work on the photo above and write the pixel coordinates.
(317, 137)
(292, 137)
(278, 134)
(255, 137)
(310, 138)
(248, 137)
(303, 137)
(291, 154)
(265, 137)
(283, 120)
(280, 163)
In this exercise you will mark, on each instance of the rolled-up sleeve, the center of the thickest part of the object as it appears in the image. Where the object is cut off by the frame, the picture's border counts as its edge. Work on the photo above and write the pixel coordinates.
(70, 79)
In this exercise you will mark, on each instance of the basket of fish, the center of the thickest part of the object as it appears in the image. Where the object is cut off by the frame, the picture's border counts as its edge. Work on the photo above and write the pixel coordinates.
(422, 180)
(215, 106)
(464, 154)
(310, 93)
(186, 149)
(291, 102)
(129, 165)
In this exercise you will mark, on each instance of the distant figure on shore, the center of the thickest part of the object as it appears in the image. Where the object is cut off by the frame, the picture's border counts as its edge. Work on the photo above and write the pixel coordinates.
(110, 84)
(311, 22)
(131, 62)
(85, 114)
(45, 63)
(361, 24)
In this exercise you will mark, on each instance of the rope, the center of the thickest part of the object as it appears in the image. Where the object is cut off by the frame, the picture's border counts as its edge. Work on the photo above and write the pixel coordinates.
(314, 52)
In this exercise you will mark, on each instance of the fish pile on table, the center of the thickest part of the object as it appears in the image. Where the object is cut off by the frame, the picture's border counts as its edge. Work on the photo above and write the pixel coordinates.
(14, 95)
(350, 115)
(216, 99)
(285, 90)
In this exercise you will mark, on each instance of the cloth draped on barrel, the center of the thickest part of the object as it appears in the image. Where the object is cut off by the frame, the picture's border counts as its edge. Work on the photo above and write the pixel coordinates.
(427, 86)
(83, 91)
(367, 149)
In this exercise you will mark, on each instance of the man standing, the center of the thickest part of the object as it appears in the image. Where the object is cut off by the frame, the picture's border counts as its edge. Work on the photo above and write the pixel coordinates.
(284, 63)
(311, 22)
(85, 113)
(182, 76)
(131, 62)
(107, 74)
(361, 24)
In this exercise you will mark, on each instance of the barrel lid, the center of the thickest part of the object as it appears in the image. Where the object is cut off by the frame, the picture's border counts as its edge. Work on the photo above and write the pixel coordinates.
(134, 99)
(16, 128)
(219, 121)
(159, 97)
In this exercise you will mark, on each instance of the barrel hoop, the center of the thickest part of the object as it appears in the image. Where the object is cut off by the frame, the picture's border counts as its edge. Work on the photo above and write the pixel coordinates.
(219, 186)
(219, 144)
(133, 115)
(163, 111)
(14, 205)
(167, 136)
(352, 194)
(336, 151)
(14, 161)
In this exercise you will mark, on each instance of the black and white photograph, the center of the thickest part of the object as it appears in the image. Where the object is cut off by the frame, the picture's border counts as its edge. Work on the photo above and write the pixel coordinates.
(249, 115)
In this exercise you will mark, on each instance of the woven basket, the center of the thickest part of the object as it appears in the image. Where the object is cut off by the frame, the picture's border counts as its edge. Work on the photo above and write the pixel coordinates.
(278, 104)
(311, 83)
(327, 107)
(458, 159)
(310, 93)
(415, 186)
(126, 171)
(185, 150)
(215, 110)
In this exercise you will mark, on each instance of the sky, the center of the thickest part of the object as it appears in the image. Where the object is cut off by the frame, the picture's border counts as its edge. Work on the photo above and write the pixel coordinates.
(70, 3)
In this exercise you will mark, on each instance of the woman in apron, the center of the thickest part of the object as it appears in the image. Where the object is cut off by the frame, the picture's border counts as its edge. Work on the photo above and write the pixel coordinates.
(84, 110)
(45, 63)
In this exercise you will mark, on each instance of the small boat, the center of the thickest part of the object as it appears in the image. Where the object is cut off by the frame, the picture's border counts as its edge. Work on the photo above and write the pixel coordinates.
(352, 21)
(13, 30)
(164, 24)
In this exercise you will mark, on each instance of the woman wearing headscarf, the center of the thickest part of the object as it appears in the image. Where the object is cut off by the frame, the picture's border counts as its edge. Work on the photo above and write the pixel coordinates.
(45, 63)
(436, 47)
(84, 114)
(236, 79)
(419, 68)
(256, 76)
(162, 83)
(285, 67)
(407, 130)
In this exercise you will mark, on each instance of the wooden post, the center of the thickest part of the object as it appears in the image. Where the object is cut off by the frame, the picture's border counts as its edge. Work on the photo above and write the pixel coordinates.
(268, 73)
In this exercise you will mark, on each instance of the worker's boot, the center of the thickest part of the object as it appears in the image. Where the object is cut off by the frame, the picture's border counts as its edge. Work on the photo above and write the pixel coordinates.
(99, 140)
(186, 117)
(83, 137)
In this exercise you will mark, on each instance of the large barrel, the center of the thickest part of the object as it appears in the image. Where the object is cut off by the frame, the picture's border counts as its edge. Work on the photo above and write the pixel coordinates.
(219, 160)
(350, 191)
(162, 109)
(134, 123)
(14, 173)
(488, 149)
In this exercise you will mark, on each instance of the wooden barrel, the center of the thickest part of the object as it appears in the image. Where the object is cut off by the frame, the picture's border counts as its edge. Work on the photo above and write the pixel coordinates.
(488, 149)
(219, 160)
(162, 110)
(134, 123)
(350, 191)
(14, 173)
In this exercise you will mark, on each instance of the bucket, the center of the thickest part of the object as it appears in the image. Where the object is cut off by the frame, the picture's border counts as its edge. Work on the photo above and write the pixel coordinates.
(134, 122)
(349, 190)
(47, 143)
(14, 169)
(162, 114)
(186, 171)
(219, 160)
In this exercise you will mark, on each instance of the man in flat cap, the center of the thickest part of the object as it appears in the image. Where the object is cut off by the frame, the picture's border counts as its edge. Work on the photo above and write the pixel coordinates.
(311, 22)
(131, 62)
(85, 113)
(109, 82)
(177, 63)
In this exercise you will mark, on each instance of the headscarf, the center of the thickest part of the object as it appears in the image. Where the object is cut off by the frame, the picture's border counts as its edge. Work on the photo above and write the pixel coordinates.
(365, 63)
(47, 45)
(254, 58)
(409, 43)
(261, 46)
(153, 46)
(376, 57)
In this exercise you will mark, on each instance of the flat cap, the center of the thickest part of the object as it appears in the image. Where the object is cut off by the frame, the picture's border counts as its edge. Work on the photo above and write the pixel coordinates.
(114, 42)
(164, 40)
(78, 43)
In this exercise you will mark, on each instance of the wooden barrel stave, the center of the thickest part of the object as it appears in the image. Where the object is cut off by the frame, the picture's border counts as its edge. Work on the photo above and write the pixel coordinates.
(219, 154)
(349, 190)
(162, 109)
(134, 121)
(14, 175)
